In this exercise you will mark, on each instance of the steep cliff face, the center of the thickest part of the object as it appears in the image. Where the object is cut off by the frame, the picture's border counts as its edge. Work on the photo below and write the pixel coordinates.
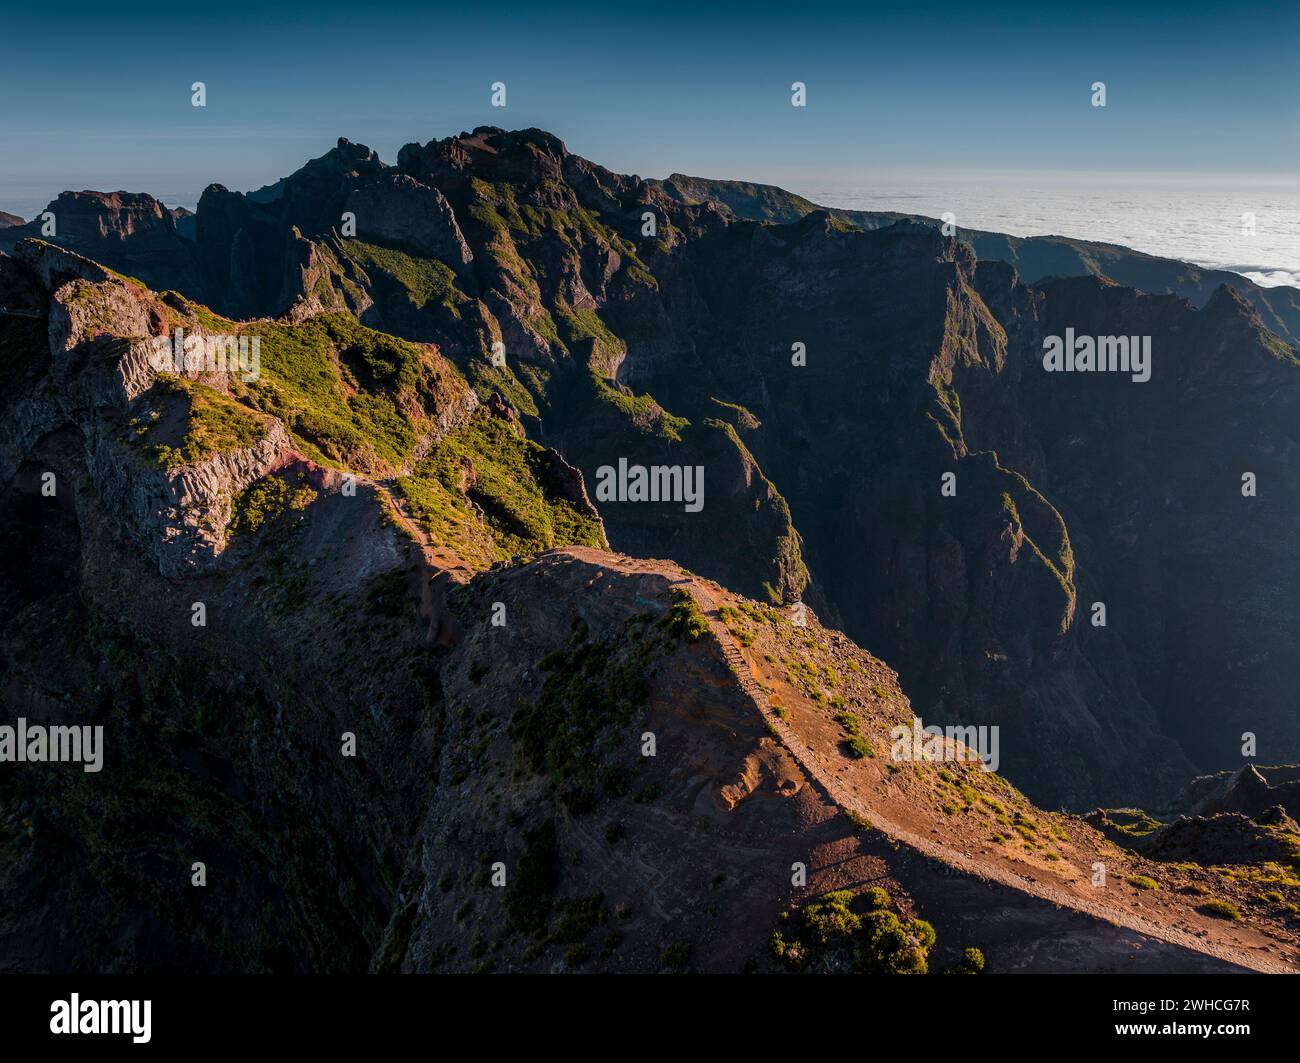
(972, 594)
(867, 402)
(1178, 490)
(1034, 258)
(425, 718)
(129, 231)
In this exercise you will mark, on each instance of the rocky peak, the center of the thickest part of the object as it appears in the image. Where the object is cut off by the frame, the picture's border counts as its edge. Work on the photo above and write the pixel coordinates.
(527, 157)
(131, 232)
(1228, 304)
(397, 209)
(1245, 791)
(98, 223)
(110, 215)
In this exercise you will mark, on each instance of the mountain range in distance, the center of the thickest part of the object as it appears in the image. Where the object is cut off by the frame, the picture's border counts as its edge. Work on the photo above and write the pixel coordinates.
(600, 729)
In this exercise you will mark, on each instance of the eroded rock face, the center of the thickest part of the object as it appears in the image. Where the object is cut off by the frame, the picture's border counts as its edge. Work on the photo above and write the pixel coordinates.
(523, 739)
(398, 209)
(923, 359)
(180, 517)
(129, 231)
(99, 331)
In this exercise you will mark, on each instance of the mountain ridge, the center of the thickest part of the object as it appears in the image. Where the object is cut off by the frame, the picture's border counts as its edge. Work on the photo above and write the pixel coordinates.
(539, 250)
(398, 474)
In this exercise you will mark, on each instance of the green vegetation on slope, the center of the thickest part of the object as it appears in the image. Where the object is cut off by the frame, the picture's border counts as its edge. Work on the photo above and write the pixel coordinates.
(214, 424)
(425, 280)
(266, 500)
(486, 491)
(350, 395)
(846, 933)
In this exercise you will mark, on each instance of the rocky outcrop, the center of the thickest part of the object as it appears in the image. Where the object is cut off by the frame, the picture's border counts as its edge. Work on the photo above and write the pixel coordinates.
(181, 517)
(922, 360)
(130, 232)
(53, 266)
(1227, 838)
(1250, 790)
(99, 333)
(399, 210)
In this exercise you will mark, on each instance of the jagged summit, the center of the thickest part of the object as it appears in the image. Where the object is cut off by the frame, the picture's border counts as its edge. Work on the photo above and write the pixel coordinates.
(672, 345)
(481, 342)
(538, 157)
(1250, 791)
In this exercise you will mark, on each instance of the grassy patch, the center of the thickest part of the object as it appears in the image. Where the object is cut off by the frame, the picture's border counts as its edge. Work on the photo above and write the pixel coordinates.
(214, 424)
(424, 280)
(1221, 910)
(266, 500)
(842, 932)
(491, 494)
(684, 619)
(350, 395)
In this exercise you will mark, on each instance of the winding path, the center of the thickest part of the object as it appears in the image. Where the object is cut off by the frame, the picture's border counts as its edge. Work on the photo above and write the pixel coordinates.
(840, 795)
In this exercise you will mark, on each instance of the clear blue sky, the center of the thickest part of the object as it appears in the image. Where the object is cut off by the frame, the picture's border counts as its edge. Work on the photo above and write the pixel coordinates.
(98, 96)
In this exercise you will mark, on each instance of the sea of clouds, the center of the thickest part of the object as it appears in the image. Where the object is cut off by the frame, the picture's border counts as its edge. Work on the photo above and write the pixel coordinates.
(1197, 220)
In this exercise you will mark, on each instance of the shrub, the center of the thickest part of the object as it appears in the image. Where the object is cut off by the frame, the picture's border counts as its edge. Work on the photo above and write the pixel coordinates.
(843, 932)
(850, 722)
(875, 898)
(677, 955)
(858, 820)
(684, 618)
(267, 499)
(860, 747)
(1221, 910)
(1143, 882)
(971, 962)
(577, 917)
